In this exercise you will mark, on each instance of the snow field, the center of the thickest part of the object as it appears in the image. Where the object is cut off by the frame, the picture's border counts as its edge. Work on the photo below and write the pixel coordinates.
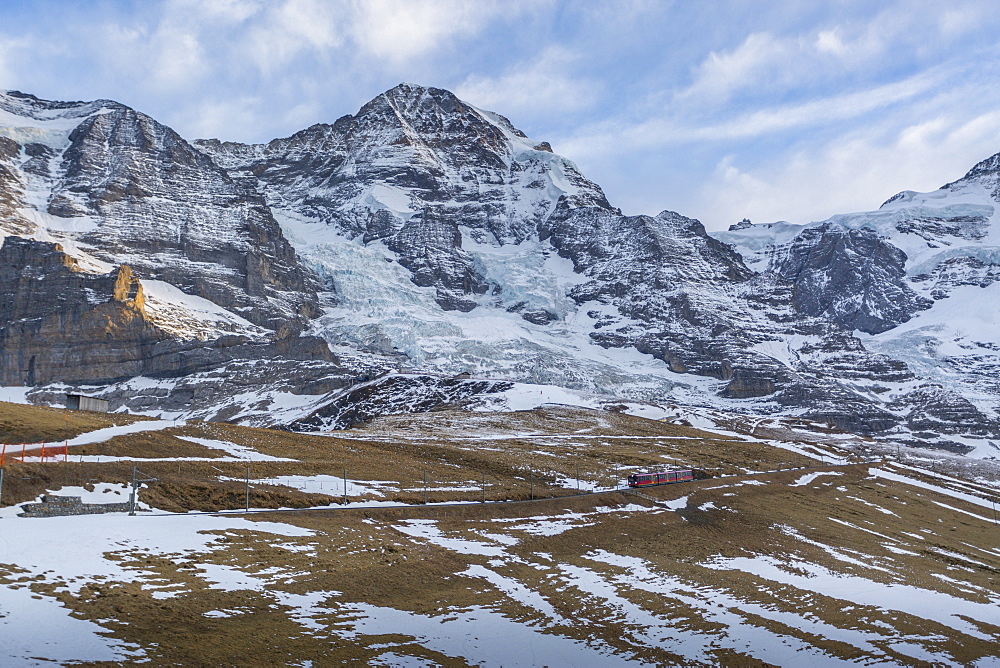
(72, 552)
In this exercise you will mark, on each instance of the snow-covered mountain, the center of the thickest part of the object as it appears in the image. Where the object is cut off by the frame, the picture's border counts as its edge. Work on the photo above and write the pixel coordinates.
(916, 281)
(128, 252)
(425, 236)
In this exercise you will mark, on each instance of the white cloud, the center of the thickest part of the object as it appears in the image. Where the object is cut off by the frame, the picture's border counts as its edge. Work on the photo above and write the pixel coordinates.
(221, 119)
(290, 28)
(856, 172)
(668, 128)
(819, 111)
(222, 11)
(766, 63)
(398, 30)
(9, 50)
(177, 57)
(723, 74)
(542, 84)
(842, 48)
(958, 21)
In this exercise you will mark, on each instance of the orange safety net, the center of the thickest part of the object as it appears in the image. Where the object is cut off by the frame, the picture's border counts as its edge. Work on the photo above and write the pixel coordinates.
(46, 452)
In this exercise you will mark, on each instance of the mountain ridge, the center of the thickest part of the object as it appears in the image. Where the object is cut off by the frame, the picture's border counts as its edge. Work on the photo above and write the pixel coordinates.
(425, 232)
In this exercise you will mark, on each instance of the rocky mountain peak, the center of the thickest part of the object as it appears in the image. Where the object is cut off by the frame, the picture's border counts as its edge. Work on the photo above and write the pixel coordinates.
(30, 106)
(990, 165)
(429, 109)
(411, 170)
(453, 242)
(985, 173)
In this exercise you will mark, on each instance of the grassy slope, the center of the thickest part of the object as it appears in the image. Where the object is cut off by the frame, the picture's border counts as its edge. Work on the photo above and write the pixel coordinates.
(20, 423)
(850, 524)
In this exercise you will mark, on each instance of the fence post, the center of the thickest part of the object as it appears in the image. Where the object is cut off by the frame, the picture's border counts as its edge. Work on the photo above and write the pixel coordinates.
(425, 487)
(131, 498)
(531, 486)
(3, 454)
(345, 487)
(43, 451)
(484, 488)
(1, 486)
(578, 477)
(247, 510)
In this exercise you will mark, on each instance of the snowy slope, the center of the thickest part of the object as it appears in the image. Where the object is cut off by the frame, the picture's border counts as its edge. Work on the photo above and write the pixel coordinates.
(423, 235)
(950, 244)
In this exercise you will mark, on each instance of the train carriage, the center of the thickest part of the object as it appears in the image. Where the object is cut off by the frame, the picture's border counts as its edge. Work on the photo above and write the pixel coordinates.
(660, 478)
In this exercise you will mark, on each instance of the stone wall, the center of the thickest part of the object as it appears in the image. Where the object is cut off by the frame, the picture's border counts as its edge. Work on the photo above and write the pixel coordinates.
(55, 506)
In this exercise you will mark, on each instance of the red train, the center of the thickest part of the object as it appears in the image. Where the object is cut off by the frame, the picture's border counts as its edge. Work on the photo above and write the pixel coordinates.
(660, 478)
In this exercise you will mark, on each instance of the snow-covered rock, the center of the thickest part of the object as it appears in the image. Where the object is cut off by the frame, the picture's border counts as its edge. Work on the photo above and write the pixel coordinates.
(425, 236)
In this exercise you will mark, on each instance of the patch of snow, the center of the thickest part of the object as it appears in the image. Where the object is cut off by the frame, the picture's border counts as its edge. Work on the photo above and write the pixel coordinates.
(428, 530)
(241, 452)
(927, 604)
(809, 477)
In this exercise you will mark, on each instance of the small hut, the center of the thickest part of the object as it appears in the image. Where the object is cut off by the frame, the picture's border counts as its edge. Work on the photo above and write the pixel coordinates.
(81, 403)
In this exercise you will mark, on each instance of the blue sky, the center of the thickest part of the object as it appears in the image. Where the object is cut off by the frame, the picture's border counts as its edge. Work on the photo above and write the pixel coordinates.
(716, 109)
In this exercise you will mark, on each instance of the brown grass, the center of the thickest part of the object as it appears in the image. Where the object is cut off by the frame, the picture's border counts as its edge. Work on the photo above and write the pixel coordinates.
(360, 554)
(20, 423)
(895, 533)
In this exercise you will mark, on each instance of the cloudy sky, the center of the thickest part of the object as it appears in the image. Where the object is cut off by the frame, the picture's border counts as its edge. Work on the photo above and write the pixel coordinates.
(716, 109)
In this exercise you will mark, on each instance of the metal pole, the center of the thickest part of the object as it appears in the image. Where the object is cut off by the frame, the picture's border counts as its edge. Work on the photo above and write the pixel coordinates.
(247, 508)
(131, 500)
(578, 477)
(531, 486)
(425, 487)
(484, 488)
(345, 487)
(991, 501)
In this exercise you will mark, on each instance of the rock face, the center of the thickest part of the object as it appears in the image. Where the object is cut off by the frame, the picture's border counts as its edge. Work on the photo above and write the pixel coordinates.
(914, 278)
(61, 323)
(395, 394)
(425, 234)
(132, 191)
(410, 169)
(850, 277)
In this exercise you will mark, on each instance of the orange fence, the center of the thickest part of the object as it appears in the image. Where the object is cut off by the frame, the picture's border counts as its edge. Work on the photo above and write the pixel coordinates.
(20, 451)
